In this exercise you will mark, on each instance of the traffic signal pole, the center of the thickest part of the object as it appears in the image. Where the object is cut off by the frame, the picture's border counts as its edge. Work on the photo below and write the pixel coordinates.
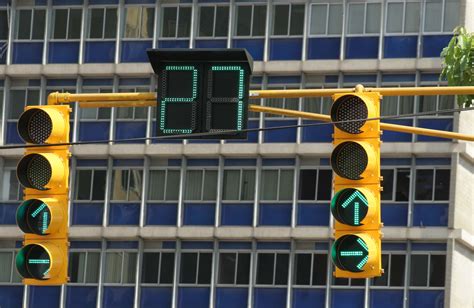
(108, 100)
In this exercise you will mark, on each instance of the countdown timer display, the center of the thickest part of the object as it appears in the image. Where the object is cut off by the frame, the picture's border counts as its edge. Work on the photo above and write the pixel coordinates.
(202, 91)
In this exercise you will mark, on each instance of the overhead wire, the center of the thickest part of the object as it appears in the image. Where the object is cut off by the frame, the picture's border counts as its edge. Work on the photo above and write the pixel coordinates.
(231, 132)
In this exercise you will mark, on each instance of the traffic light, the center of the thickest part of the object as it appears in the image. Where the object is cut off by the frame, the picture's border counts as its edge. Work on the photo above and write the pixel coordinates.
(202, 91)
(43, 215)
(355, 160)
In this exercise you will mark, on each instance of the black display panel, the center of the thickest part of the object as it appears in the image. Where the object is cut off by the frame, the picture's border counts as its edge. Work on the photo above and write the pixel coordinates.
(202, 91)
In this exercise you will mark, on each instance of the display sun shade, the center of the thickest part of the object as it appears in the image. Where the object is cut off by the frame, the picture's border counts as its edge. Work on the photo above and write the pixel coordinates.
(349, 108)
(349, 160)
(202, 91)
(349, 206)
(35, 126)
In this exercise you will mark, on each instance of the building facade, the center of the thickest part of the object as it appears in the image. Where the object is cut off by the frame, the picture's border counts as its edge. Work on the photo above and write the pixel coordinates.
(163, 223)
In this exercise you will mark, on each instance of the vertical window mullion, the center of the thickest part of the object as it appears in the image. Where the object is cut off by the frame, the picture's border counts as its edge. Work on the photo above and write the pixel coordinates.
(104, 15)
(122, 267)
(197, 268)
(428, 271)
(251, 19)
(32, 21)
(165, 184)
(177, 22)
(68, 20)
(236, 266)
(241, 173)
(12, 266)
(159, 267)
(275, 255)
(92, 185)
(433, 185)
(214, 22)
(85, 267)
(288, 29)
(311, 266)
(316, 184)
(365, 19)
(328, 7)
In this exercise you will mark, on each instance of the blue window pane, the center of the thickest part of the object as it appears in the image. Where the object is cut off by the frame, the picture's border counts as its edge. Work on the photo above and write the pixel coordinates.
(80, 297)
(118, 297)
(124, 213)
(44, 296)
(237, 214)
(162, 214)
(231, 297)
(199, 214)
(11, 296)
(313, 298)
(419, 298)
(8, 213)
(386, 298)
(193, 297)
(156, 297)
(362, 47)
(275, 214)
(347, 298)
(286, 49)
(269, 297)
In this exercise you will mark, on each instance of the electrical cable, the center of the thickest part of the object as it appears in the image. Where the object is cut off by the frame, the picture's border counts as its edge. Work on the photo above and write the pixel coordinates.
(230, 132)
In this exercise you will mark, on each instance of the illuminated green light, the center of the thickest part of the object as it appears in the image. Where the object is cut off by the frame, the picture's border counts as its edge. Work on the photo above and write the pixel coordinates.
(356, 213)
(45, 222)
(351, 253)
(362, 243)
(353, 196)
(38, 261)
(47, 272)
(41, 207)
(363, 262)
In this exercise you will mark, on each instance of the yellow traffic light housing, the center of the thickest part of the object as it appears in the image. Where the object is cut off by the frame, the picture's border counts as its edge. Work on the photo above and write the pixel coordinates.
(43, 216)
(355, 206)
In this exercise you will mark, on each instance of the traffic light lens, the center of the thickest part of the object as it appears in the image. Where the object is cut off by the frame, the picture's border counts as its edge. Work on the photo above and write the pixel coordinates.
(34, 171)
(350, 253)
(35, 126)
(34, 216)
(33, 261)
(349, 206)
(349, 108)
(349, 160)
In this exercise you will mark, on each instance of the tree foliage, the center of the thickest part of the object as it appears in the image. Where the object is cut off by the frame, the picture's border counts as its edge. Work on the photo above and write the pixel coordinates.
(458, 63)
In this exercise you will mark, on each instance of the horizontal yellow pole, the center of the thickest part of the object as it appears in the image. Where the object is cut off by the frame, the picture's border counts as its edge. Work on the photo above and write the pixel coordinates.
(383, 126)
(110, 104)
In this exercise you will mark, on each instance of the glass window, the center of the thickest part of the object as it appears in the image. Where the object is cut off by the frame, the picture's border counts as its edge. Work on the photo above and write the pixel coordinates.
(67, 23)
(6, 262)
(90, 184)
(288, 19)
(364, 18)
(201, 185)
(318, 19)
(120, 267)
(103, 23)
(3, 25)
(310, 269)
(403, 17)
(451, 15)
(424, 184)
(244, 19)
(234, 268)
(10, 189)
(259, 20)
(412, 17)
(315, 185)
(394, 274)
(437, 270)
(387, 184)
(176, 22)
(239, 185)
(419, 270)
(394, 17)
(126, 185)
(433, 15)
(196, 267)
(326, 19)
(213, 21)
(84, 267)
(272, 268)
(442, 181)
(158, 267)
(139, 22)
(30, 24)
(164, 185)
(277, 185)
(19, 99)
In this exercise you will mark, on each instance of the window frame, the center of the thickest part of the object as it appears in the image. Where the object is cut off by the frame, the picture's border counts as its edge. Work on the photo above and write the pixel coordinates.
(104, 8)
(204, 170)
(442, 22)
(53, 20)
(241, 169)
(160, 251)
(404, 16)
(86, 251)
(134, 89)
(284, 101)
(196, 283)
(95, 89)
(275, 254)
(252, 5)
(122, 251)
(288, 30)
(12, 171)
(13, 270)
(178, 8)
(327, 4)
(27, 88)
(364, 32)
(236, 252)
(8, 17)
(129, 169)
(428, 265)
(316, 190)
(17, 21)
(198, 24)
(388, 271)
(433, 187)
(438, 101)
(123, 26)
(312, 252)
(166, 170)
(395, 170)
(279, 169)
(93, 169)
